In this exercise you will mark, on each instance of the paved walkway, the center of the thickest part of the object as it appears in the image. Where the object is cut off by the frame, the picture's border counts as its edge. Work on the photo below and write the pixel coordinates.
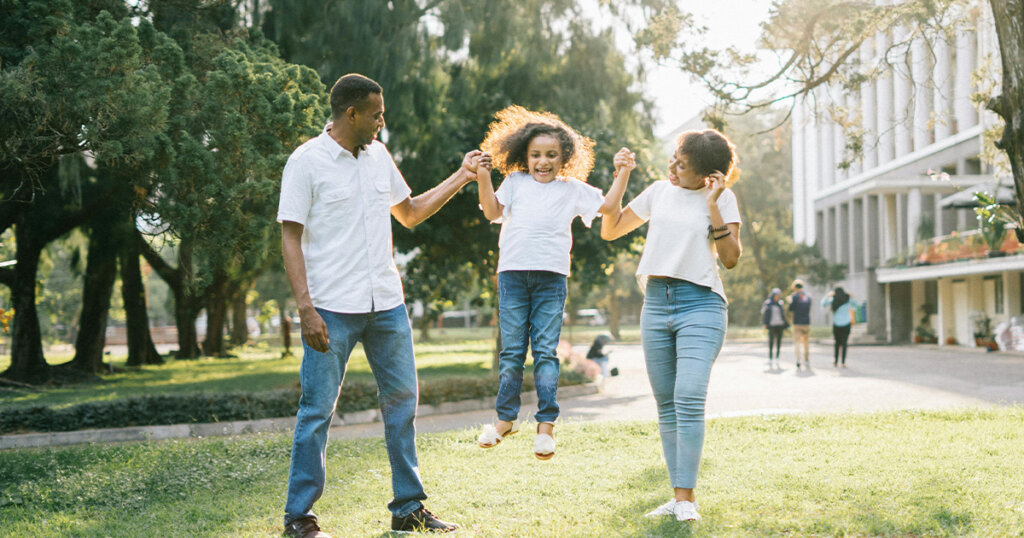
(877, 378)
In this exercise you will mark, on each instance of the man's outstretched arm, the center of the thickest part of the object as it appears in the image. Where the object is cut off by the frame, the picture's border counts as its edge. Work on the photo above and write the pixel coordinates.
(415, 210)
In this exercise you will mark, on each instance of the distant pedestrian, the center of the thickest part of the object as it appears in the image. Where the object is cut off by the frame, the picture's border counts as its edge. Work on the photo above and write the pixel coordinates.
(599, 354)
(800, 303)
(844, 312)
(773, 317)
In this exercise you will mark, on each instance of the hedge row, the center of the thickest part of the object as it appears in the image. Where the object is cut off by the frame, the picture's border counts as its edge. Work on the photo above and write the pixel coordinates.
(206, 407)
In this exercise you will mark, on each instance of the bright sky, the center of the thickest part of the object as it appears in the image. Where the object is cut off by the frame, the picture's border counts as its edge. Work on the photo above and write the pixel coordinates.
(729, 22)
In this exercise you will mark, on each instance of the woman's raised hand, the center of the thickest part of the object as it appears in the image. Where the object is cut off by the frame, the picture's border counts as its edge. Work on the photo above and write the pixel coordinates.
(716, 184)
(624, 159)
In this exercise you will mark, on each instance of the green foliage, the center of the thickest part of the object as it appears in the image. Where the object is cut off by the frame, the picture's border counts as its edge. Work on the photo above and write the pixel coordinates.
(992, 219)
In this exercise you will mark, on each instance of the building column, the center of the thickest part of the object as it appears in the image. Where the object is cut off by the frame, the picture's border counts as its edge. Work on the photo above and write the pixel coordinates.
(903, 128)
(812, 176)
(890, 227)
(826, 164)
(883, 104)
(800, 218)
(868, 112)
(921, 64)
(869, 235)
(913, 217)
(854, 238)
(838, 138)
(943, 90)
(963, 108)
(937, 229)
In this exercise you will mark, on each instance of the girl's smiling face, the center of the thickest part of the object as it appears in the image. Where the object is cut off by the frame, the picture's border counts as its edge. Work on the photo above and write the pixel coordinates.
(681, 174)
(544, 158)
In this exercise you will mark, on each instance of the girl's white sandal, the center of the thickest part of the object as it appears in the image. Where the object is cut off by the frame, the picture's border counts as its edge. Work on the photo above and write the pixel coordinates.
(490, 436)
(543, 446)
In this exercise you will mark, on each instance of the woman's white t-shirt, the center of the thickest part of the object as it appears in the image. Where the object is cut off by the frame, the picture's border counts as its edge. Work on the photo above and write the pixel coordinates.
(678, 243)
(536, 223)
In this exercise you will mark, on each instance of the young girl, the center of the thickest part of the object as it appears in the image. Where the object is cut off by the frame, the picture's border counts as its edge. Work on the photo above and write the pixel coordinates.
(545, 161)
(694, 224)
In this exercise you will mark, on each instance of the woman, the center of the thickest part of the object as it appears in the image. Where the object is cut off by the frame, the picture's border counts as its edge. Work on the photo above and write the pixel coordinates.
(694, 219)
(844, 310)
(773, 317)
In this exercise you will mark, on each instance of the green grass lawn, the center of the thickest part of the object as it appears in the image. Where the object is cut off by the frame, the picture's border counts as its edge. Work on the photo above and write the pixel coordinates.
(891, 474)
(254, 370)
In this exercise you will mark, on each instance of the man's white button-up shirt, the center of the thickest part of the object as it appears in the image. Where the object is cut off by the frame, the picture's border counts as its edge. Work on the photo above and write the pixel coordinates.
(344, 205)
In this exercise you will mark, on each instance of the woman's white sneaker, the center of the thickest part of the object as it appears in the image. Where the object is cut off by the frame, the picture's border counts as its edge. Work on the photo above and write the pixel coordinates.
(686, 511)
(666, 509)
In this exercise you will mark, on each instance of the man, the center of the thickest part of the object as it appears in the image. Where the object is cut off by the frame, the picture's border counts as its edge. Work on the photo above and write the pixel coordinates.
(337, 192)
(800, 307)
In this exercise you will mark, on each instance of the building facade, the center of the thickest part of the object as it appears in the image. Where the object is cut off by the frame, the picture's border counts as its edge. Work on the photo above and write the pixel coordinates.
(889, 213)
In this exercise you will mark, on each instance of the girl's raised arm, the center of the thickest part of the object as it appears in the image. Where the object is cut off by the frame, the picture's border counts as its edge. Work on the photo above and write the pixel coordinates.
(488, 201)
(617, 222)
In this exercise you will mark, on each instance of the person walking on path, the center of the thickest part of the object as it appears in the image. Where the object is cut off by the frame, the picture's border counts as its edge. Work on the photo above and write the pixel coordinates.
(773, 317)
(800, 303)
(547, 164)
(338, 192)
(694, 224)
(844, 312)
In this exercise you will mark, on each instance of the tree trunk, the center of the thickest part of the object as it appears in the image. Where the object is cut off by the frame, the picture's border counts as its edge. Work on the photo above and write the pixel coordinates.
(216, 314)
(141, 349)
(286, 333)
(239, 327)
(27, 362)
(425, 321)
(100, 272)
(1009, 21)
(614, 309)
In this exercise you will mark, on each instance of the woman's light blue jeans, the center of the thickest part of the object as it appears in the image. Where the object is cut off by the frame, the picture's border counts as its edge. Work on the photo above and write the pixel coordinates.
(682, 327)
(530, 305)
(387, 341)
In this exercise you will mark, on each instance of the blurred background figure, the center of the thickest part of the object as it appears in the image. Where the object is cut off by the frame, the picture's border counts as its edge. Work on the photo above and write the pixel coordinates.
(773, 317)
(844, 312)
(599, 354)
(800, 303)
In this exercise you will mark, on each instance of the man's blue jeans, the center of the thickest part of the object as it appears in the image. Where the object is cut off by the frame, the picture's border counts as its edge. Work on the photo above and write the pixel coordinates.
(530, 305)
(387, 341)
(682, 327)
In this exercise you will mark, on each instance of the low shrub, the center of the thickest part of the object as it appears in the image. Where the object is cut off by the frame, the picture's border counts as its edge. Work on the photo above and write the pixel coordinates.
(211, 407)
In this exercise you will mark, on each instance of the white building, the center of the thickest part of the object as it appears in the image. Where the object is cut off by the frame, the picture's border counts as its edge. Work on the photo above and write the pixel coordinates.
(878, 215)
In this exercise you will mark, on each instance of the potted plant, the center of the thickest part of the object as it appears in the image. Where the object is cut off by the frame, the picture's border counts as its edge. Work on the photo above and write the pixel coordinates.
(992, 218)
(983, 336)
(924, 334)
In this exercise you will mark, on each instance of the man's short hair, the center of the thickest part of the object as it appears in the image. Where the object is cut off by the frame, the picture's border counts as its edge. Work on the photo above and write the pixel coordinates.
(798, 284)
(351, 90)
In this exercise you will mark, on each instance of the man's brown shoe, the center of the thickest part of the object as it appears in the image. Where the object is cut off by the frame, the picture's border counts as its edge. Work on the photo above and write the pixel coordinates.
(421, 521)
(304, 527)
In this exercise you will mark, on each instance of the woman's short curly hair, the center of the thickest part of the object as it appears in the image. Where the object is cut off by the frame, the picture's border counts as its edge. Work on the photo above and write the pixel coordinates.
(708, 151)
(509, 137)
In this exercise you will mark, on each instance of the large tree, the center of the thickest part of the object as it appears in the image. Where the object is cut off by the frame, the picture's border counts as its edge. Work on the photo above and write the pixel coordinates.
(72, 81)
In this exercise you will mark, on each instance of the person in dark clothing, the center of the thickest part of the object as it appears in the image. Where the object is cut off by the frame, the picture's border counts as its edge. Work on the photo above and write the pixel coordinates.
(598, 354)
(844, 311)
(773, 317)
(800, 303)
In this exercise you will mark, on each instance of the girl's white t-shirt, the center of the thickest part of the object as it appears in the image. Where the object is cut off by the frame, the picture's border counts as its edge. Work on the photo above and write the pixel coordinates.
(536, 223)
(678, 243)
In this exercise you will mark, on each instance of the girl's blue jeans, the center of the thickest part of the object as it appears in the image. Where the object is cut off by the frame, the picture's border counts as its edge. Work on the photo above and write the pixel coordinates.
(682, 327)
(387, 341)
(530, 305)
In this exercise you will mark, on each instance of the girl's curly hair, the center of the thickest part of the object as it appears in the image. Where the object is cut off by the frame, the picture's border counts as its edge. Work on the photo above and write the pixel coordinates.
(509, 137)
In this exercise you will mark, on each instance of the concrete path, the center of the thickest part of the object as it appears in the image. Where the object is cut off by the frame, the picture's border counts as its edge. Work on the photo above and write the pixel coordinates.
(877, 378)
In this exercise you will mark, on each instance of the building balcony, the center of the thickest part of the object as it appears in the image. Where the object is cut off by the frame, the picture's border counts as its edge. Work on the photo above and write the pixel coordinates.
(956, 254)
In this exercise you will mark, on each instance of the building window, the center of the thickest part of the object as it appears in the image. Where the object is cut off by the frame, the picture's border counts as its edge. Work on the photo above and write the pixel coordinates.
(997, 288)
